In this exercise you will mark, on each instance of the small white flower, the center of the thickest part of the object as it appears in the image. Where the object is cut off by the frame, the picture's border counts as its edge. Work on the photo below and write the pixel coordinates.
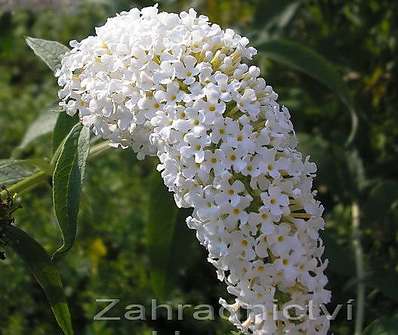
(214, 160)
(171, 96)
(187, 69)
(230, 193)
(195, 147)
(275, 201)
(234, 158)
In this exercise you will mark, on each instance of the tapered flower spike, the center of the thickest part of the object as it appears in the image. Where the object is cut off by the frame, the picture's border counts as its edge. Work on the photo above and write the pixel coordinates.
(178, 87)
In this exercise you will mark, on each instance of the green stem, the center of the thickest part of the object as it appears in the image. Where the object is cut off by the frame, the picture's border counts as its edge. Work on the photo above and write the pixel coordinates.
(355, 212)
(38, 178)
(26, 184)
(98, 150)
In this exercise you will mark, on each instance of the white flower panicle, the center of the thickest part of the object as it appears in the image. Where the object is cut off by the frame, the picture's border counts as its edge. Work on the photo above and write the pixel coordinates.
(177, 87)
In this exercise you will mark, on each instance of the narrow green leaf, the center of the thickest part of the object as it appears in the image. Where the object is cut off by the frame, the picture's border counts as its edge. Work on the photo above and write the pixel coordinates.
(68, 177)
(44, 271)
(383, 326)
(340, 256)
(160, 230)
(380, 202)
(274, 13)
(332, 162)
(63, 126)
(43, 125)
(50, 52)
(313, 64)
(14, 170)
(184, 247)
(385, 281)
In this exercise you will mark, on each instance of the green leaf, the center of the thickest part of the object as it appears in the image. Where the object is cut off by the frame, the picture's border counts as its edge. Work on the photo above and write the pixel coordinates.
(43, 125)
(333, 172)
(184, 247)
(51, 52)
(385, 281)
(308, 61)
(160, 230)
(383, 326)
(340, 256)
(274, 13)
(63, 126)
(14, 170)
(44, 271)
(380, 202)
(68, 177)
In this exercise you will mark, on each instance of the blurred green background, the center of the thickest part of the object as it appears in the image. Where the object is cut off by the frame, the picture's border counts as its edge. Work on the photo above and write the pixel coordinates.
(112, 257)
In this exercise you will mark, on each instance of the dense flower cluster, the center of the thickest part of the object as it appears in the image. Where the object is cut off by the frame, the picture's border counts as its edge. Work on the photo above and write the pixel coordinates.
(177, 87)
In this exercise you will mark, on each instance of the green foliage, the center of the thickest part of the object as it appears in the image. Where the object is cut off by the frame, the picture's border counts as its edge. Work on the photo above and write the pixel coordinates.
(383, 326)
(43, 125)
(272, 17)
(161, 230)
(68, 176)
(170, 242)
(44, 271)
(382, 198)
(313, 64)
(13, 170)
(62, 127)
(50, 52)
